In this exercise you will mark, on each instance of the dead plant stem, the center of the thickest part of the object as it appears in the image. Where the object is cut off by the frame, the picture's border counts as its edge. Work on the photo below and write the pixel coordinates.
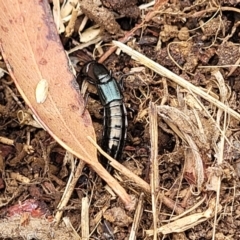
(175, 78)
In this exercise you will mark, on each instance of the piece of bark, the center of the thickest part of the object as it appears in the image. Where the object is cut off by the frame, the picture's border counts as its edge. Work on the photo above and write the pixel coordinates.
(101, 16)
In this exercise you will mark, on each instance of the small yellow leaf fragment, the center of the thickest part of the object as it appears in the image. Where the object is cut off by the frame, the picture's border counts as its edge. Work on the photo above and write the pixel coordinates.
(41, 91)
(89, 34)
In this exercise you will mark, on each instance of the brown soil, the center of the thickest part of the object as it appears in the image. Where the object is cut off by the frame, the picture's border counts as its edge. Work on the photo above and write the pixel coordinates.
(197, 143)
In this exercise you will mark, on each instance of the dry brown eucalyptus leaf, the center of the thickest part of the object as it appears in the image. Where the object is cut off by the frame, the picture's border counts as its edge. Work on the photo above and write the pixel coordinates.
(34, 52)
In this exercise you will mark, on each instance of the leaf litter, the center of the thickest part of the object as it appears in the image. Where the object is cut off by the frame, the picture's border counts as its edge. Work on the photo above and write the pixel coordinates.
(183, 136)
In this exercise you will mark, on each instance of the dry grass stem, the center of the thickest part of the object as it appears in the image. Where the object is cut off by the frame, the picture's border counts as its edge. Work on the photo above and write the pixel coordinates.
(187, 222)
(171, 204)
(71, 229)
(188, 210)
(85, 219)
(85, 45)
(6, 141)
(137, 218)
(126, 172)
(70, 27)
(177, 79)
(73, 178)
(220, 159)
(146, 5)
(97, 219)
(15, 97)
(114, 184)
(154, 174)
(57, 16)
